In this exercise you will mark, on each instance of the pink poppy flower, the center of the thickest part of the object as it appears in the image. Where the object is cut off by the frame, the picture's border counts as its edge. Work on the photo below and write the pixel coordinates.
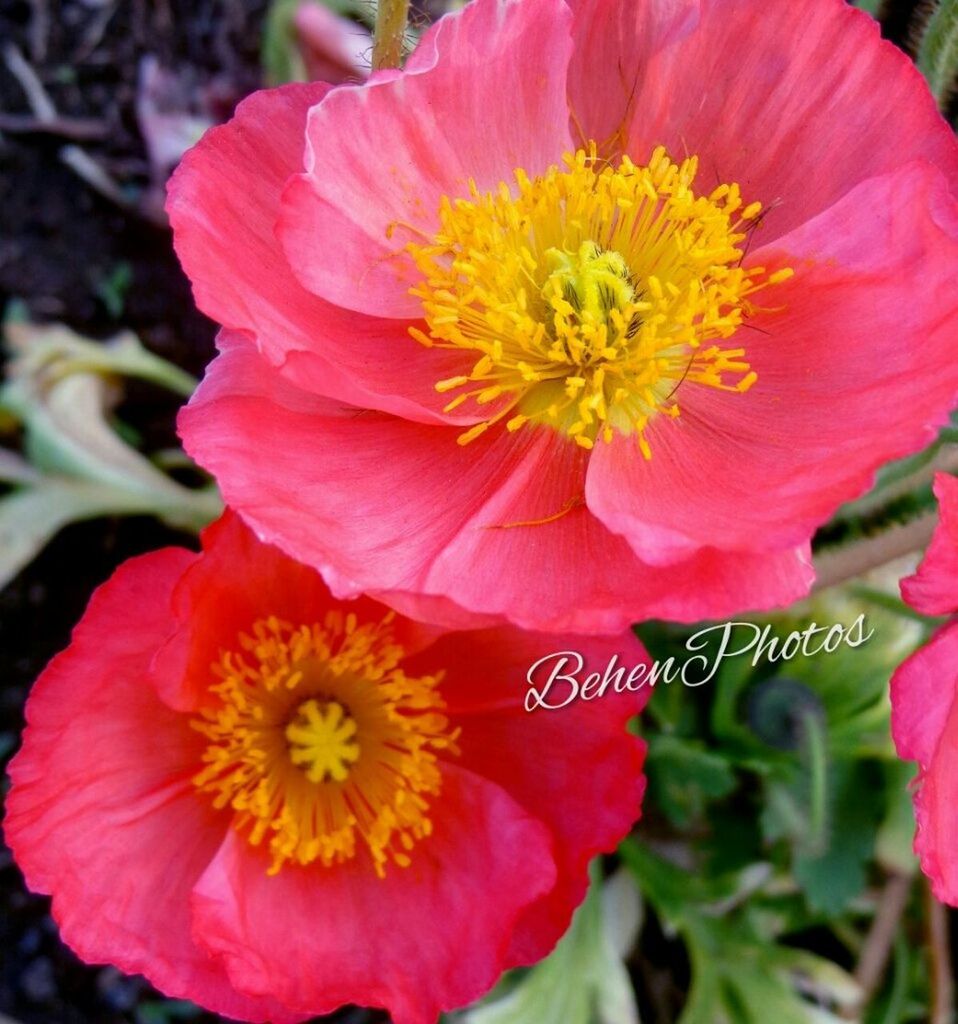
(924, 695)
(592, 314)
(273, 803)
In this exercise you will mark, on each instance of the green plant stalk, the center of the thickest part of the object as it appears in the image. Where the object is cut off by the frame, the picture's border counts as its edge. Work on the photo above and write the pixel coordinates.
(817, 753)
(389, 34)
(899, 992)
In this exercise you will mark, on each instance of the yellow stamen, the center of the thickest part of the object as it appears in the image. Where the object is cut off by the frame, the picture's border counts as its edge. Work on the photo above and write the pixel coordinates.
(320, 742)
(589, 295)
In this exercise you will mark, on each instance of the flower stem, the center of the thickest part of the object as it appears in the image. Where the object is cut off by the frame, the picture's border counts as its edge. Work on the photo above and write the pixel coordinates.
(817, 826)
(852, 559)
(389, 34)
(942, 982)
(880, 940)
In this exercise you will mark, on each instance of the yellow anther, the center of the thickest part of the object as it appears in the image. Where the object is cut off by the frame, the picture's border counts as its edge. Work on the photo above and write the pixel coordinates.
(319, 743)
(588, 295)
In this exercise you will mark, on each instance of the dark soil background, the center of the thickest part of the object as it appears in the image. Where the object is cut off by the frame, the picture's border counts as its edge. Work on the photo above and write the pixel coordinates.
(98, 265)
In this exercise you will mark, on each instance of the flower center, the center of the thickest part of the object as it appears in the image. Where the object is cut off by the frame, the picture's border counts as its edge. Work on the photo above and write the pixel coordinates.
(589, 295)
(318, 740)
(322, 738)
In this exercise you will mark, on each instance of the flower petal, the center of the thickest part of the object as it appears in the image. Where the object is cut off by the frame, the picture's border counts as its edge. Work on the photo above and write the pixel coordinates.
(396, 942)
(237, 582)
(486, 96)
(925, 728)
(223, 205)
(855, 367)
(613, 46)
(104, 834)
(933, 590)
(384, 506)
(798, 104)
(591, 795)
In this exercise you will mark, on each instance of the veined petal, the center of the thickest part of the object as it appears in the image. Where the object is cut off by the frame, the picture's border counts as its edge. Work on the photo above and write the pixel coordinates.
(396, 942)
(381, 156)
(104, 834)
(925, 728)
(852, 370)
(800, 102)
(367, 499)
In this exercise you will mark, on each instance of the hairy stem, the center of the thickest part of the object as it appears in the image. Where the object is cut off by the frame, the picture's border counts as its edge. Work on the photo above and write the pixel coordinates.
(844, 563)
(391, 16)
(944, 459)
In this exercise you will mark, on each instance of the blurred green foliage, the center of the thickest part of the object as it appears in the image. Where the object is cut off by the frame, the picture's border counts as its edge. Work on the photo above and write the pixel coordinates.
(938, 49)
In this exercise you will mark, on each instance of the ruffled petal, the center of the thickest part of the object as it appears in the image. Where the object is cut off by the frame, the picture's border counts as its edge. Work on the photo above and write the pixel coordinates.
(239, 581)
(397, 942)
(223, 206)
(798, 104)
(925, 727)
(933, 590)
(855, 367)
(102, 814)
(485, 96)
(386, 506)
(591, 795)
(613, 46)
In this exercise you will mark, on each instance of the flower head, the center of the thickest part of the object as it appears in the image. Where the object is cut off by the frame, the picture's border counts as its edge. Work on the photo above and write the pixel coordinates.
(924, 695)
(590, 297)
(593, 313)
(333, 800)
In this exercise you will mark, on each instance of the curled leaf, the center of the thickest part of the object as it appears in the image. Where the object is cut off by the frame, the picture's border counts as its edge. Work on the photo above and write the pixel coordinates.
(61, 389)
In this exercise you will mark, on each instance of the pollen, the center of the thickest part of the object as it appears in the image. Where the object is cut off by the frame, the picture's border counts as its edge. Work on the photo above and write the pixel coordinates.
(320, 746)
(590, 296)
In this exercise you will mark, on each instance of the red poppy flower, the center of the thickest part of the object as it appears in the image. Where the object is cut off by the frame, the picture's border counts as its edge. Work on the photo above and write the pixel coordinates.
(592, 314)
(274, 803)
(924, 695)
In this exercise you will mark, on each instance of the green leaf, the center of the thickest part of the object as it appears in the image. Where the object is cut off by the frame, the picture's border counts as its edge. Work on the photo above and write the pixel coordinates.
(30, 518)
(896, 835)
(852, 682)
(938, 50)
(113, 287)
(44, 354)
(166, 1011)
(673, 891)
(61, 389)
(872, 6)
(684, 775)
(739, 972)
(584, 980)
(832, 878)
